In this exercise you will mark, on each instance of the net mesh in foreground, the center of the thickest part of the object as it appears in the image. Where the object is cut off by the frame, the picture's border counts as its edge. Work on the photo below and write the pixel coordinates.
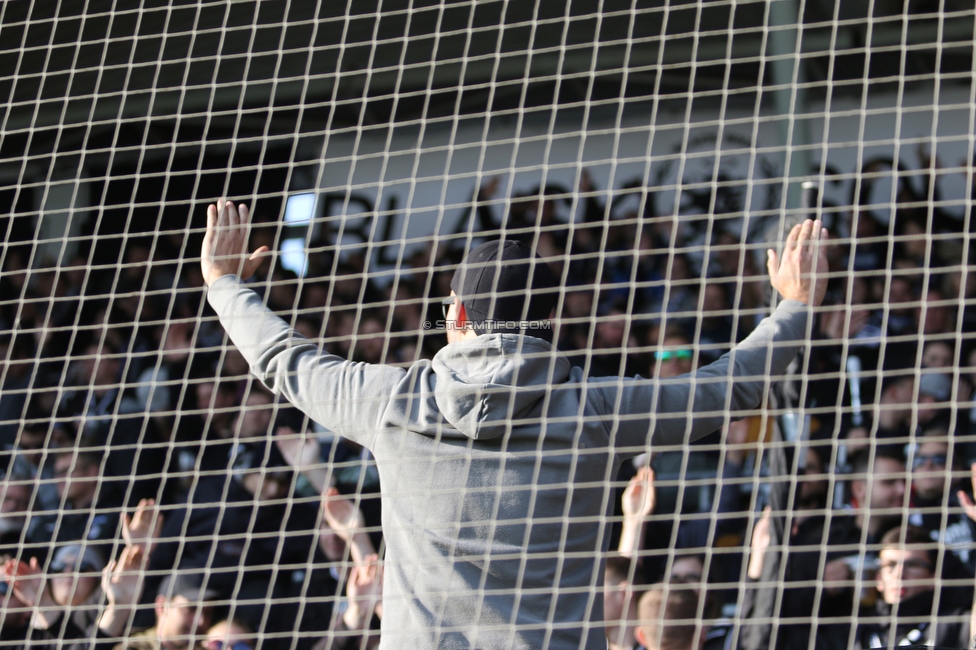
(650, 153)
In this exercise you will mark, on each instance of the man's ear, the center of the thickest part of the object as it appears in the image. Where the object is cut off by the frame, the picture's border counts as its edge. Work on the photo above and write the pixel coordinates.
(462, 314)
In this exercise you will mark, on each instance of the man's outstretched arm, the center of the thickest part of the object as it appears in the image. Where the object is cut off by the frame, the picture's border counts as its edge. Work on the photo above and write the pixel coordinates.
(348, 398)
(691, 406)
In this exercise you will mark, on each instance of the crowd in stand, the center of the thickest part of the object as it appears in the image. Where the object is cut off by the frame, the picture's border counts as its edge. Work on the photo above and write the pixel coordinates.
(154, 496)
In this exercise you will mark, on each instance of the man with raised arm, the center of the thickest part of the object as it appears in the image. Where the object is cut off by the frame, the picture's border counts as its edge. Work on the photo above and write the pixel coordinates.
(496, 457)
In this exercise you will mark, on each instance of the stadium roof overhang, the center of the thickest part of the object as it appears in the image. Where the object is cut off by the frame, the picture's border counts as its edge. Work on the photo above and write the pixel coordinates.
(401, 61)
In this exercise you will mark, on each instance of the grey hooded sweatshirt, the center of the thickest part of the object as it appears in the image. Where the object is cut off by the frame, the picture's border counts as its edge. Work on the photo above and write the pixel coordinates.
(496, 461)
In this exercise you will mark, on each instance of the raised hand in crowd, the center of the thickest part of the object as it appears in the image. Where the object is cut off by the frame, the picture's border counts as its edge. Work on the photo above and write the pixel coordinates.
(759, 545)
(303, 452)
(363, 598)
(29, 585)
(638, 503)
(347, 521)
(122, 582)
(144, 528)
(967, 503)
(364, 593)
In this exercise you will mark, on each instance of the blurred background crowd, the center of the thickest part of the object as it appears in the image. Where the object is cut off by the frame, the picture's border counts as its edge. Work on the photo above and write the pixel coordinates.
(154, 495)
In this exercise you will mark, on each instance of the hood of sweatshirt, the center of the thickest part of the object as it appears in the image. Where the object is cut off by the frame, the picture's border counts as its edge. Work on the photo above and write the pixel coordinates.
(481, 385)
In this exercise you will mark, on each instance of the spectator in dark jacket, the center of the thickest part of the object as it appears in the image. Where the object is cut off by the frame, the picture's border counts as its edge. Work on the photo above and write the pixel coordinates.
(933, 487)
(89, 511)
(909, 611)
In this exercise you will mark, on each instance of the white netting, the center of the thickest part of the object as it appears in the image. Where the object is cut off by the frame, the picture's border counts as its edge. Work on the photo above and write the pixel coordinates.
(650, 152)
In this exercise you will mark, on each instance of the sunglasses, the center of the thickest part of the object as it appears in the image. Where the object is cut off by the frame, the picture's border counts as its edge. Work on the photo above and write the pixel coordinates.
(446, 305)
(939, 460)
(668, 355)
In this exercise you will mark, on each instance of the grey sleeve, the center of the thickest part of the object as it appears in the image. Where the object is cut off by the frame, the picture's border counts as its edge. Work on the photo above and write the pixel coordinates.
(347, 398)
(674, 411)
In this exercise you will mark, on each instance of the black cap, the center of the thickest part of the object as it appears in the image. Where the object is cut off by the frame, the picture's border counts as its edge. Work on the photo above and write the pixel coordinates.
(495, 281)
(188, 585)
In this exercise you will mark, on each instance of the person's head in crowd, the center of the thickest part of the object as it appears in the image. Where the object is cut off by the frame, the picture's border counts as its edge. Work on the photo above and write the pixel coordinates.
(138, 254)
(676, 356)
(405, 351)
(15, 503)
(814, 483)
(76, 475)
(878, 487)
(230, 634)
(15, 358)
(217, 401)
(728, 254)
(550, 248)
(620, 596)
(668, 615)
(934, 391)
(114, 325)
(75, 574)
(100, 367)
(937, 354)
(969, 369)
(857, 438)
(254, 419)
(33, 439)
(611, 327)
(370, 339)
(934, 316)
(901, 294)
(577, 303)
(234, 365)
(76, 272)
(862, 224)
(267, 479)
(952, 284)
(408, 307)
(314, 295)
(309, 326)
(860, 288)
(715, 300)
(183, 612)
(894, 412)
(282, 289)
(688, 569)
(15, 614)
(339, 331)
(930, 464)
(906, 564)
(912, 240)
(16, 261)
